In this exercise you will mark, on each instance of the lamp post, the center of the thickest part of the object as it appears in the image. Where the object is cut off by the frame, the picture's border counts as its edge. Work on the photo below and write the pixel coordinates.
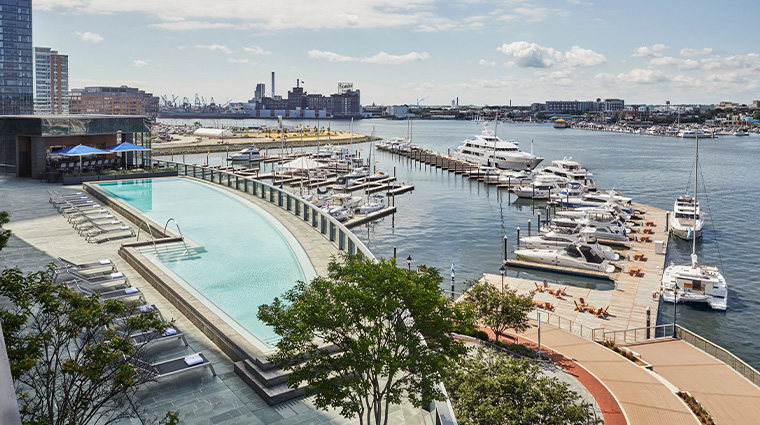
(409, 262)
(675, 303)
(502, 271)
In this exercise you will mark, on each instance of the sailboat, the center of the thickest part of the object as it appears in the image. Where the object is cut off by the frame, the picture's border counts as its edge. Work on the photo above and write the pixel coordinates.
(695, 282)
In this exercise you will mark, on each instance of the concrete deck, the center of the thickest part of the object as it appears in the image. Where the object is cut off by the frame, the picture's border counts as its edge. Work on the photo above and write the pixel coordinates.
(41, 234)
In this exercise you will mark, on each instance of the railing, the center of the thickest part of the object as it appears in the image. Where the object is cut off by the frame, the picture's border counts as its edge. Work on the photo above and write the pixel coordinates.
(187, 251)
(152, 239)
(628, 336)
(9, 413)
(719, 353)
(319, 219)
(572, 326)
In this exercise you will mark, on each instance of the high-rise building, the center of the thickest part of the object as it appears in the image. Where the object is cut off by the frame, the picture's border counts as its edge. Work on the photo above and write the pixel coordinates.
(51, 82)
(260, 92)
(16, 80)
(112, 101)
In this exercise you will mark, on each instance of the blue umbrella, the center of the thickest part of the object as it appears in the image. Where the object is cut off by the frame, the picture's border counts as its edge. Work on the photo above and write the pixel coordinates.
(80, 151)
(126, 147)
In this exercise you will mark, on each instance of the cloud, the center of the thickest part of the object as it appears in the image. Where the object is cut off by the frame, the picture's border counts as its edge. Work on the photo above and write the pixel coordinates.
(257, 50)
(530, 14)
(635, 76)
(484, 62)
(140, 62)
(693, 52)
(749, 61)
(649, 52)
(89, 36)
(182, 25)
(215, 47)
(380, 58)
(532, 55)
(233, 60)
(671, 61)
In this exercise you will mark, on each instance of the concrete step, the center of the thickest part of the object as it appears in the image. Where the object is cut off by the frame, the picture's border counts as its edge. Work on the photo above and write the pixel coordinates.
(272, 395)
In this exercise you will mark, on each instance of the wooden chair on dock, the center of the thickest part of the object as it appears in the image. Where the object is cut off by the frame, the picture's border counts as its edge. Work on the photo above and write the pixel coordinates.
(538, 287)
(635, 271)
(649, 224)
(548, 306)
(563, 292)
(556, 292)
(579, 307)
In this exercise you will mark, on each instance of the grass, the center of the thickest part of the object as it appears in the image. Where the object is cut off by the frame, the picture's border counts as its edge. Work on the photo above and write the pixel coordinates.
(625, 353)
(704, 416)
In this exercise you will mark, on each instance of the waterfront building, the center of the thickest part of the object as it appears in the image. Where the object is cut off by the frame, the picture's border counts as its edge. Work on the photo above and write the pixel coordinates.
(121, 100)
(17, 79)
(258, 95)
(398, 111)
(300, 104)
(613, 105)
(51, 82)
(574, 106)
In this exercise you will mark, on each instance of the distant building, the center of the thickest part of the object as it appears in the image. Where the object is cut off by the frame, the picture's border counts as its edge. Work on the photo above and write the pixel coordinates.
(613, 105)
(300, 104)
(561, 106)
(260, 92)
(574, 106)
(727, 105)
(398, 111)
(51, 82)
(121, 100)
(17, 69)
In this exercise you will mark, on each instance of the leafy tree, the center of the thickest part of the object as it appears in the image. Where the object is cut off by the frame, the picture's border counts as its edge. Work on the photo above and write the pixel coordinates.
(374, 315)
(69, 363)
(499, 310)
(4, 234)
(490, 388)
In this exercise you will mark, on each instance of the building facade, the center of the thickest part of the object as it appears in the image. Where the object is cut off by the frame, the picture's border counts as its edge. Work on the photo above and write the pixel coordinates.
(51, 82)
(16, 67)
(121, 100)
(260, 92)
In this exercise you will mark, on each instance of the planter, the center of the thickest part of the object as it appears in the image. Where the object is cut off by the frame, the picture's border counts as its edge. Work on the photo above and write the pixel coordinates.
(106, 177)
(71, 180)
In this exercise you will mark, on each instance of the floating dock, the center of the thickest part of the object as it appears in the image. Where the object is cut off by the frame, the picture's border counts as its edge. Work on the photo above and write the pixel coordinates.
(360, 219)
(561, 269)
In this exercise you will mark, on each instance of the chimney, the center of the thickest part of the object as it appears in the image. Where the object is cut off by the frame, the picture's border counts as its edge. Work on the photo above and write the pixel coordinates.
(272, 84)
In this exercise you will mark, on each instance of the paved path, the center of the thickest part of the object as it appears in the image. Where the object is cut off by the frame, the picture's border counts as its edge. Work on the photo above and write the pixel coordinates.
(644, 398)
(729, 397)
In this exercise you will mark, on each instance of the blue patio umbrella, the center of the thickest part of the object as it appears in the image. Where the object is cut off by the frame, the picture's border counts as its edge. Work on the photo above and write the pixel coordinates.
(80, 151)
(126, 147)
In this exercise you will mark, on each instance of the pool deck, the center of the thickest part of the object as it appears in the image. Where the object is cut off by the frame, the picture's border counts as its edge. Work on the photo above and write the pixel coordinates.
(41, 234)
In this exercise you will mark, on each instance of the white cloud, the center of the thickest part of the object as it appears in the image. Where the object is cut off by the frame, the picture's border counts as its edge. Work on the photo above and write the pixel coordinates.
(532, 55)
(140, 62)
(635, 76)
(749, 61)
(649, 52)
(182, 25)
(257, 50)
(233, 60)
(694, 52)
(484, 62)
(89, 36)
(215, 47)
(671, 61)
(530, 14)
(380, 58)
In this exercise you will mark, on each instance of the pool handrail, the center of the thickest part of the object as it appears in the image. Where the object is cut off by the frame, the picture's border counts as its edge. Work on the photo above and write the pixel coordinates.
(187, 250)
(152, 238)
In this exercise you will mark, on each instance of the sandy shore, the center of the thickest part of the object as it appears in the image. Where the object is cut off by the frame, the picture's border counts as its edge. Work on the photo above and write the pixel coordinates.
(190, 144)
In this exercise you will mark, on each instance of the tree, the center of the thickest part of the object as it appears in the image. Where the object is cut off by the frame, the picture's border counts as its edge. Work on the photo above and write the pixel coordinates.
(499, 310)
(374, 315)
(68, 362)
(4, 234)
(491, 388)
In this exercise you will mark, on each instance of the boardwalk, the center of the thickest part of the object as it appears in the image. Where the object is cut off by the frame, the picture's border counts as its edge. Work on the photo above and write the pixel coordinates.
(729, 397)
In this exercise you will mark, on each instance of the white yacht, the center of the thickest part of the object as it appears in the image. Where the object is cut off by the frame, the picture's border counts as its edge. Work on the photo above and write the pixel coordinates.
(538, 190)
(559, 240)
(516, 178)
(693, 134)
(571, 171)
(597, 200)
(374, 203)
(250, 154)
(577, 255)
(695, 283)
(741, 132)
(396, 144)
(686, 220)
(489, 150)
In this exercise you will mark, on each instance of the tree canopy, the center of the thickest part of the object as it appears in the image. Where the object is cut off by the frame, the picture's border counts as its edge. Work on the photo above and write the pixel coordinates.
(490, 388)
(370, 318)
(4, 233)
(69, 363)
(499, 310)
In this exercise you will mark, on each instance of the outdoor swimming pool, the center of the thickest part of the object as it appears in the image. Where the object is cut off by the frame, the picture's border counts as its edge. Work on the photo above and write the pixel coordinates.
(241, 256)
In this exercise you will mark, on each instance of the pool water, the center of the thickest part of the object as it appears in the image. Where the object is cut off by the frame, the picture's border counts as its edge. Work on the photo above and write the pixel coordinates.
(240, 258)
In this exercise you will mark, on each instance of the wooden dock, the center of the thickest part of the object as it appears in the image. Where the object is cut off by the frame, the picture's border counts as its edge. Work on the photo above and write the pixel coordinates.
(398, 190)
(510, 263)
(360, 219)
(443, 161)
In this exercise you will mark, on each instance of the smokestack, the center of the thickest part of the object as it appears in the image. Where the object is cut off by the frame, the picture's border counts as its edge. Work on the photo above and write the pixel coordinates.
(298, 82)
(272, 84)
(457, 100)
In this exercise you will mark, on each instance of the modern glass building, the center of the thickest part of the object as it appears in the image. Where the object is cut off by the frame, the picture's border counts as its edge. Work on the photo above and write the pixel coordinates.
(51, 82)
(16, 67)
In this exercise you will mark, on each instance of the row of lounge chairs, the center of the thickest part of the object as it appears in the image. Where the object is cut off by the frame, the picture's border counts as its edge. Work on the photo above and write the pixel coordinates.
(102, 279)
(89, 218)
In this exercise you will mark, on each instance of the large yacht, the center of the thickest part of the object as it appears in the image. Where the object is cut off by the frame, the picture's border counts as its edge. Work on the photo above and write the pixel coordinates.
(571, 171)
(576, 256)
(695, 284)
(687, 220)
(489, 150)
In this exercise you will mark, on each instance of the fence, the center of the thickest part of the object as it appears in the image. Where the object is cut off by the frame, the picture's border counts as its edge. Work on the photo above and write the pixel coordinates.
(628, 336)
(719, 353)
(585, 331)
(319, 219)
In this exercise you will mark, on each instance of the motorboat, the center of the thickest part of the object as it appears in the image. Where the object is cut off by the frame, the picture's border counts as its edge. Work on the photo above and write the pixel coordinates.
(693, 134)
(374, 203)
(378, 175)
(596, 200)
(559, 240)
(487, 149)
(694, 282)
(249, 154)
(571, 170)
(537, 190)
(358, 173)
(560, 123)
(516, 178)
(572, 188)
(346, 200)
(350, 180)
(741, 132)
(576, 255)
(337, 212)
(602, 233)
(686, 220)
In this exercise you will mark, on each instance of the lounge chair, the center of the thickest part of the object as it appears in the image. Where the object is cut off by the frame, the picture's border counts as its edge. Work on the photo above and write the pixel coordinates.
(83, 267)
(538, 288)
(578, 307)
(76, 213)
(106, 278)
(117, 294)
(140, 309)
(94, 227)
(78, 220)
(100, 234)
(175, 366)
(77, 203)
(58, 195)
(151, 337)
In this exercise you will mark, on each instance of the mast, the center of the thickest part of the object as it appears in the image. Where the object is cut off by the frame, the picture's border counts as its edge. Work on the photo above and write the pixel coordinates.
(694, 232)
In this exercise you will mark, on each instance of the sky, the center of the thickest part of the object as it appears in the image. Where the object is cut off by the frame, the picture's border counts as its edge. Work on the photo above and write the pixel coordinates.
(413, 51)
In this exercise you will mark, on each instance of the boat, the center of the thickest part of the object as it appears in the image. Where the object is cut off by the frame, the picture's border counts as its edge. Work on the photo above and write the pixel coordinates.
(337, 212)
(697, 283)
(487, 149)
(686, 219)
(572, 188)
(516, 178)
(537, 190)
(741, 132)
(560, 123)
(571, 170)
(378, 175)
(577, 256)
(559, 240)
(374, 203)
(597, 200)
(249, 154)
(346, 200)
(693, 134)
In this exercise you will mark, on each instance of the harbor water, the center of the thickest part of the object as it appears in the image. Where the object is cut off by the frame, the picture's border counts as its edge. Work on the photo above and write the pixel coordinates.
(451, 219)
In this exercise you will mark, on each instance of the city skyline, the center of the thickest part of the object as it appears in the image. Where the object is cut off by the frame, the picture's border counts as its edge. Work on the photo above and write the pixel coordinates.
(412, 51)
